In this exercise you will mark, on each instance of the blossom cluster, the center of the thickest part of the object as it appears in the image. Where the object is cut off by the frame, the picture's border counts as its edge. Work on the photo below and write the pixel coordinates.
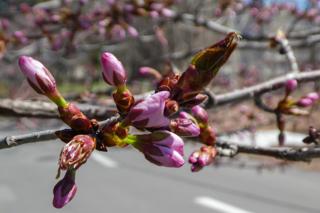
(61, 25)
(173, 111)
(291, 106)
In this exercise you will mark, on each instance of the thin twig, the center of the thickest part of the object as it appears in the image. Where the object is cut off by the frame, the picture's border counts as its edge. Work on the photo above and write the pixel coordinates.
(306, 153)
(267, 86)
(41, 136)
(43, 109)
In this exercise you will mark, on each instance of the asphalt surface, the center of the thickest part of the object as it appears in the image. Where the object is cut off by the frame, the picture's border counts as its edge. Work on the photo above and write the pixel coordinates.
(123, 181)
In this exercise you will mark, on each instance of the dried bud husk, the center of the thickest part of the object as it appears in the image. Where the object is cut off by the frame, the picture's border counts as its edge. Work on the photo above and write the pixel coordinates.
(123, 99)
(72, 116)
(207, 135)
(76, 152)
(112, 135)
(204, 67)
(171, 108)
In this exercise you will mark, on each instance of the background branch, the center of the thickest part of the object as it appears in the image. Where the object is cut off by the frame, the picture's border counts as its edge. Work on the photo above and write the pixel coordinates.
(305, 153)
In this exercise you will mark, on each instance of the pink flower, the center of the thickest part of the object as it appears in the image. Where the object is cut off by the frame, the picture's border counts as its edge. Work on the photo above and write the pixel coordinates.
(200, 114)
(184, 127)
(76, 152)
(113, 71)
(64, 190)
(39, 77)
(149, 113)
(162, 148)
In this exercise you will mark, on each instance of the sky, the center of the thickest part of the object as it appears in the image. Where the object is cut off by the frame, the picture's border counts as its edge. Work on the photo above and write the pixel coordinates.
(301, 4)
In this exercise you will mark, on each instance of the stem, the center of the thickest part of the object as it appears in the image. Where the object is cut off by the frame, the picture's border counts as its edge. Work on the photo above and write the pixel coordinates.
(130, 139)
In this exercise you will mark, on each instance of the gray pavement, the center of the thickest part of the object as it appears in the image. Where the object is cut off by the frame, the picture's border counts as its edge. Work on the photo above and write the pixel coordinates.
(123, 181)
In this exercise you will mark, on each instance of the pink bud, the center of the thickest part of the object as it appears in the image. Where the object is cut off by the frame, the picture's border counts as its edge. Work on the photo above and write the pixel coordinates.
(39, 77)
(20, 37)
(150, 72)
(200, 114)
(4, 24)
(117, 33)
(202, 158)
(113, 71)
(149, 113)
(291, 85)
(76, 152)
(154, 14)
(185, 115)
(305, 102)
(167, 13)
(156, 6)
(184, 127)
(64, 190)
(313, 96)
(162, 148)
(132, 31)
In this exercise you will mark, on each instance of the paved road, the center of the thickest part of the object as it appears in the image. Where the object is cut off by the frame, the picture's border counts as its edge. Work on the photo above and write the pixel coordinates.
(122, 181)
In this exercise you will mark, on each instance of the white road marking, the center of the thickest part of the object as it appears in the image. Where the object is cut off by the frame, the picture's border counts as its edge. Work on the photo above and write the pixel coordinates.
(218, 205)
(103, 160)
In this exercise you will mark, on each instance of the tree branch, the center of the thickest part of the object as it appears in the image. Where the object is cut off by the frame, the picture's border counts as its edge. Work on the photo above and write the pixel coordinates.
(297, 39)
(41, 136)
(43, 109)
(267, 86)
(306, 153)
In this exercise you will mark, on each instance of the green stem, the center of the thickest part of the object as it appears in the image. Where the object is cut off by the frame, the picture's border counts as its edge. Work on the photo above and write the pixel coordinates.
(121, 88)
(58, 99)
(130, 139)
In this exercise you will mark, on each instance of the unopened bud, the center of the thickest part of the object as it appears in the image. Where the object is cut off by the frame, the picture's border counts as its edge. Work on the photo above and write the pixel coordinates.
(184, 127)
(113, 70)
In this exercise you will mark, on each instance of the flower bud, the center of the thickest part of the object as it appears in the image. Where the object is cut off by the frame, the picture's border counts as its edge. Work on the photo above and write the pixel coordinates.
(150, 72)
(202, 158)
(20, 37)
(76, 152)
(40, 79)
(72, 116)
(313, 96)
(117, 33)
(200, 114)
(162, 148)
(149, 113)
(305, 102)
(165, 12)
(64, 190)
(123, 99)
(113, 71)
(132, 31)
(184, 127)
(291, 85)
